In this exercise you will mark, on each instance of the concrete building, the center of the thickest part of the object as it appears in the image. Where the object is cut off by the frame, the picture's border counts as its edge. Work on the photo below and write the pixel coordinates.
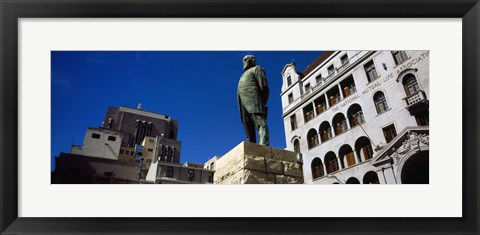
(359, 117)
(124, 149)
(171, 173)
(99, 143)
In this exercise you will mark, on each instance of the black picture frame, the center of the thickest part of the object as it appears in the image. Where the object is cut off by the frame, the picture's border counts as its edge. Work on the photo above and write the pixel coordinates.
(11, 11)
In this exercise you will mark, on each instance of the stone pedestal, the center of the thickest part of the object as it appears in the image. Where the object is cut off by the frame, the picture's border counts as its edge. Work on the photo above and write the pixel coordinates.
(250, 163)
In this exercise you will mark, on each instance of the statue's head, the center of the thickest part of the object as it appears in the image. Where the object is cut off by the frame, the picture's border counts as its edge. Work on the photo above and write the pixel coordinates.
(249, 61)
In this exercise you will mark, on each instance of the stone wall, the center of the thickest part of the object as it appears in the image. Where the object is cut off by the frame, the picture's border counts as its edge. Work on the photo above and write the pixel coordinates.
(250, 163)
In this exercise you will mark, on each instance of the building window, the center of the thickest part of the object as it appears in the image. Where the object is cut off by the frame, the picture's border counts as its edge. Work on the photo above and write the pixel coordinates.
(112, 138)
(150, 150)
(121, 151)
(289, 81)
(348, 86)
(331, 162)
(95, 136)
(296, 146)
(307, 87)
(169, 172)
(317, 168)
(320, 104)
(293, 122)
(410, 85)
(346, 153)
(318, 79)
(290, 98)
(210, 177)
(191, 175)
(370, 70)
(399, 56)
(308, 113)
(127, 152)
(344, 59)
(331, 70)
(380, 102)
(108, 173)
(334, 96)
(355, 115)
(151, 141)
(422, 118)
(312, 138)
(363, 148)
(339, 123)
(325, 131)
(389, 132)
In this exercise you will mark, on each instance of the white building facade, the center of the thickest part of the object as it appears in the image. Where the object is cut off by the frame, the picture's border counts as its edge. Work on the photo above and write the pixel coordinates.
(360, 117)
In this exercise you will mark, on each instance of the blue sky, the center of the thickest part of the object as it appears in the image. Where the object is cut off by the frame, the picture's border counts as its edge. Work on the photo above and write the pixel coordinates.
(197, 88)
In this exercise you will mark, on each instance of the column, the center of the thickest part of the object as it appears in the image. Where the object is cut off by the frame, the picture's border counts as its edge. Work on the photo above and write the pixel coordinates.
(389, 175)
(359, 156)
(338, 162)
(381, 176)
(314, 110)
(341, 92)
(326, 100)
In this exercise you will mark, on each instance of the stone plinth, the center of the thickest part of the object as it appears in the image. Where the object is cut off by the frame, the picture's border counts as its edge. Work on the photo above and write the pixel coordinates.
(250, 163)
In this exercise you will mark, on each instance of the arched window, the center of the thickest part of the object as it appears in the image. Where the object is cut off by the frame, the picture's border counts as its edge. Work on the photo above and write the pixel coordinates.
(399, 56)
(331, 162)
(371, 178)
(296, 146)
(363, 147)
(317, 168)
(339, 123)
(312, 138)
(352, 180)
(355, 115)
(325, 131)
(410, 84)
(380, 102)
(346, 156)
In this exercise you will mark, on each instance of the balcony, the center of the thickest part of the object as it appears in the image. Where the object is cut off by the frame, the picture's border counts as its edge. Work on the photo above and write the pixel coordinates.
(416, 102)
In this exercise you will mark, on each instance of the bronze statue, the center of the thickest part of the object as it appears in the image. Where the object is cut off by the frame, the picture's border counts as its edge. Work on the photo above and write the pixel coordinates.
(252, 97)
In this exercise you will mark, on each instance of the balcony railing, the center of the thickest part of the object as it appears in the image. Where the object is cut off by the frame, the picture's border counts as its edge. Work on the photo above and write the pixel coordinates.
(415, 98)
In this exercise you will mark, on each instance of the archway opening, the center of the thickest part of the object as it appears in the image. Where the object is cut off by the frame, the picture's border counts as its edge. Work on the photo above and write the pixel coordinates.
(331, 162)
(346, 155)
(363, 147)
(317, 168)
(325, 131)
(416, 169)
(355, 115)
(352, 180)
(371, 178)
(339, 123)
(312, 138)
